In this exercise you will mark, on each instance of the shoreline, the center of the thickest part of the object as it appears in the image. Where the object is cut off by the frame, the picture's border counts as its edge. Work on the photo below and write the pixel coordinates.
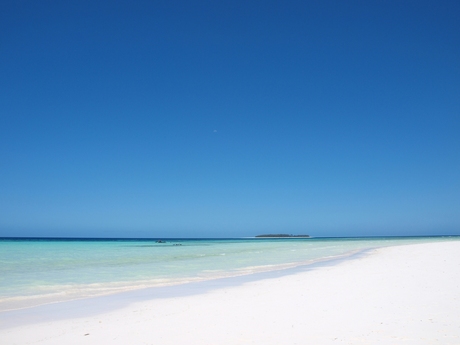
(246, 272)
(92, 305)
(57, 286)
(408, 294)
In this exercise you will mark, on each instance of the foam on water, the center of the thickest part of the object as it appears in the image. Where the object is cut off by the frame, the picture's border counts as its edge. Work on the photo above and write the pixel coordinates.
(34, 272)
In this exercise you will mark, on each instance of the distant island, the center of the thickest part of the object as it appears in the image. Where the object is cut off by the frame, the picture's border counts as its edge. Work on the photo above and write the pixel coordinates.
(282, 235)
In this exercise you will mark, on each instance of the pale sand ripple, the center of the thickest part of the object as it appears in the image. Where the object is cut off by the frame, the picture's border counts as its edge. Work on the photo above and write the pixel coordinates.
(396, 295)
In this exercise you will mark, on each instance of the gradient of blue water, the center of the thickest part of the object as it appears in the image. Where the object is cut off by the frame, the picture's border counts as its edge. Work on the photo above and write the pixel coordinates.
(35, 271)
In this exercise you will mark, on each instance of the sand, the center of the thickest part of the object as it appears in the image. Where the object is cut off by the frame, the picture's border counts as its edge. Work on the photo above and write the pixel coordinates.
(398, 295)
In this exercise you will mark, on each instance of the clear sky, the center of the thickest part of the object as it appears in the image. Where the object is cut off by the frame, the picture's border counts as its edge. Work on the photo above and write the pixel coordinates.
(229, 118)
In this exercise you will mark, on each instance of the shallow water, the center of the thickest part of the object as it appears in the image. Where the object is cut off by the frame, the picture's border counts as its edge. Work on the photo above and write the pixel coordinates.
(40, 271)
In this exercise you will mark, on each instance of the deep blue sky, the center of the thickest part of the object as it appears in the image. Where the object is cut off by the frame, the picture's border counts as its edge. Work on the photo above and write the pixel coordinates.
(229, 118)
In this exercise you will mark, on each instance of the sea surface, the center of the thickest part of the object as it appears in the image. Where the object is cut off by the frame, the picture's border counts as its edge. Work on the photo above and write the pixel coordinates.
(40, 271)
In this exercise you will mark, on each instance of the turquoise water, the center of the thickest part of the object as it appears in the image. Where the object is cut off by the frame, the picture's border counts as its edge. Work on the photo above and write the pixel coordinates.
(34, 272)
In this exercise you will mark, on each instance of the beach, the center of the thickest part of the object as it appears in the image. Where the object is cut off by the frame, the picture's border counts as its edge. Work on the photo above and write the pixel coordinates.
(407, 294)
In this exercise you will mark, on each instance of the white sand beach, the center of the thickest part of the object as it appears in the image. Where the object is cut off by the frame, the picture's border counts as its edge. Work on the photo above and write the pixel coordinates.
(397, 295)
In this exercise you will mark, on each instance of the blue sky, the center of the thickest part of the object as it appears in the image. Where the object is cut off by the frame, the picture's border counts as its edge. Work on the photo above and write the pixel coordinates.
(229, 118)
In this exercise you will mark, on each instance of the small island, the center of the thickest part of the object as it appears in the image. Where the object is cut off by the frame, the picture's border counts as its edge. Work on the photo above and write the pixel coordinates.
(283, 235)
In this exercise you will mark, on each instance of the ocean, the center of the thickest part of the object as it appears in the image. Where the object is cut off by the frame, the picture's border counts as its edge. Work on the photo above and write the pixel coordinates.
(39, 271)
